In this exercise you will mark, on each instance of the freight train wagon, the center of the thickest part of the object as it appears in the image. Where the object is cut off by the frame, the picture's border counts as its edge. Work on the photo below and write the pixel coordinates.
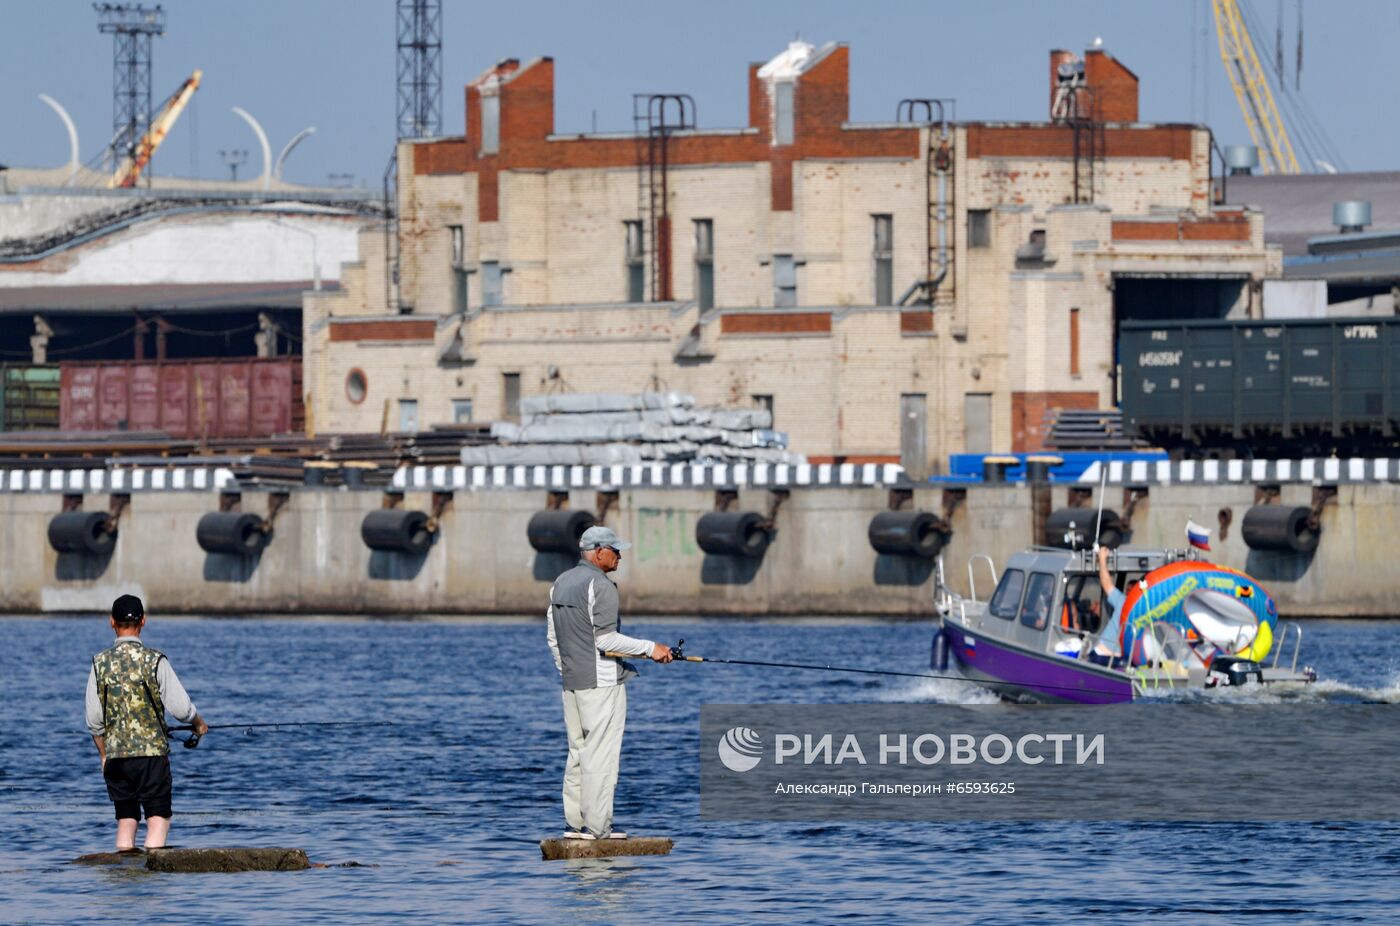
(1286, 388)
(184, 398)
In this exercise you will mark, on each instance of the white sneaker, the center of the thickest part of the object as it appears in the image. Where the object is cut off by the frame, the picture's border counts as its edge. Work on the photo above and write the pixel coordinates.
(578, 834)
(613, 834)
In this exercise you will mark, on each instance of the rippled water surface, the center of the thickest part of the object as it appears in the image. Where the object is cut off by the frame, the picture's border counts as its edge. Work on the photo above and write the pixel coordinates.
(448, 803)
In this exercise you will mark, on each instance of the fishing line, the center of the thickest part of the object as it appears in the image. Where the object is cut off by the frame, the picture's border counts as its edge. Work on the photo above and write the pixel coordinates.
(192, 741)
(679, 656)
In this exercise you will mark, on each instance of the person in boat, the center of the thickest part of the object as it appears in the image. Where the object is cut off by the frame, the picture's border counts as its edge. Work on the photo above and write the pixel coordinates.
(583, 625)
(1108, 647)
(130, 687)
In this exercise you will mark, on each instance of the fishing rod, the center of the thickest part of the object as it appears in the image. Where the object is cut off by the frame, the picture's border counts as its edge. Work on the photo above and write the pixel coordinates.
(678, 655)
(192, 741)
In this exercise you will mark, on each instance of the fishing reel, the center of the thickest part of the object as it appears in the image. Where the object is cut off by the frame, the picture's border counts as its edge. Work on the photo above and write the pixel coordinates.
(676, 652)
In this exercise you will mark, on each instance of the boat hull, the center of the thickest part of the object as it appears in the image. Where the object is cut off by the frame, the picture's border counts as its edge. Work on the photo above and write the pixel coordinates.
(1016, 672)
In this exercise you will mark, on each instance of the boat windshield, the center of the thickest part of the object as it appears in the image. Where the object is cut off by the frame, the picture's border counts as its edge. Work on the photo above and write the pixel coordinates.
(1039, 594)
(1007, 599)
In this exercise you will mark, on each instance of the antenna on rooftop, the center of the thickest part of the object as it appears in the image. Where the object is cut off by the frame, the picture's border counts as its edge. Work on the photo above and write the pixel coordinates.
(131, 26)
(420, 68)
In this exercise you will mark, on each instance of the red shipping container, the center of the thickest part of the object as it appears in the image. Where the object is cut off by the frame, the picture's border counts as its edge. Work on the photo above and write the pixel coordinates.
(145, 398)
(203, 399)
(272, 398)
(77, 398)
(175, 399)
(204, 402)
(113, 397)
(235, 399)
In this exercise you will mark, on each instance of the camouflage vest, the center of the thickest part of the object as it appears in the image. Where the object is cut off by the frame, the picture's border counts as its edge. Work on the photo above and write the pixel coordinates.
(133, 713)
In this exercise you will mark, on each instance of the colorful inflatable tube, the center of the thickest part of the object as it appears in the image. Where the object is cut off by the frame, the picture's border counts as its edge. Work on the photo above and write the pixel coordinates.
(1214, 608)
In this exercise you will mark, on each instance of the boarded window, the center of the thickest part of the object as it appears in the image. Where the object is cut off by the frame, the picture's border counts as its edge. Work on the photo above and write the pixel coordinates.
(408, 415)
(510, 390)
(783, 95)
(979, 228)
(491, 279)
(765, 402)
(1073, 342)
(784, 280)
(705, 263)
(636, 261)
(461, 411)
(490, 124)
(884, 259)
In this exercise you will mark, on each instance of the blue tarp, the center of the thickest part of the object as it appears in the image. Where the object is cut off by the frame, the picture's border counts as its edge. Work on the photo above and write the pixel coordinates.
(967, 467)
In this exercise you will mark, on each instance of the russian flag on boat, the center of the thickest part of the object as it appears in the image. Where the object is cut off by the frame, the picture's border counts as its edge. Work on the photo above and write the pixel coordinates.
(1198, 536)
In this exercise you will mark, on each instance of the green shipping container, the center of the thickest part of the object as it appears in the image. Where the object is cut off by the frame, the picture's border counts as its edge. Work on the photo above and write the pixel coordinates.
(29, 398)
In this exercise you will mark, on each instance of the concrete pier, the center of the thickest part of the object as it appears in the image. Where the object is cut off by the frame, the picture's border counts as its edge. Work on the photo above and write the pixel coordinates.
(820, 561)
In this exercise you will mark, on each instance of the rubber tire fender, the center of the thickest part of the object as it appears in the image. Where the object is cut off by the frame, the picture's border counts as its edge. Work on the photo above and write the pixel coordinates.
(82, 532)
(733, 533)
(238, 532)
(396, 529)
(906, 533)
(558, 530)
(1279, 527)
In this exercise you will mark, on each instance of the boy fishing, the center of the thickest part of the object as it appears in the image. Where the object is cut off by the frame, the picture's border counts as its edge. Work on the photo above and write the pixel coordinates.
(129, 689)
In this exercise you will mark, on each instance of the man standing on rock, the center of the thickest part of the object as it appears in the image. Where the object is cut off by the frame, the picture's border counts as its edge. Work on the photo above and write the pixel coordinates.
(129, 689)
(583, 625)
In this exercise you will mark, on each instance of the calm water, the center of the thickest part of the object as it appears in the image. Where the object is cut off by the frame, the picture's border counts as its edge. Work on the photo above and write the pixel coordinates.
(450, 801)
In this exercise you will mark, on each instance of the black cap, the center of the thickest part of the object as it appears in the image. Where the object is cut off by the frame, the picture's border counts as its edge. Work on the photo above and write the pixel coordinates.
(128, 610)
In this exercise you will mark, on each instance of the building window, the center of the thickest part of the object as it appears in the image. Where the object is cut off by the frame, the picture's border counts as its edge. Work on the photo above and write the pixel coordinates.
(884, 259)
(461, 411)
(408, 415)
(491, 280)
(356, 387)
(783, 95)
(459, 272)
(705, 263)
(1073, 342)
(979, 228)
(510, 390)
(784, 280)
(490, 124)
(636, 261)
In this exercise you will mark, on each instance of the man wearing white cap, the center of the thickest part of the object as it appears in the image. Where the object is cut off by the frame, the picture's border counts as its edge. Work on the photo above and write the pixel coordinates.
(583, 625)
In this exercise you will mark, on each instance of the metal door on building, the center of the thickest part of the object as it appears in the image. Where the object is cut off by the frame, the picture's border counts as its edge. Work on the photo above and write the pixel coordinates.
(913, 434)
(977, 422)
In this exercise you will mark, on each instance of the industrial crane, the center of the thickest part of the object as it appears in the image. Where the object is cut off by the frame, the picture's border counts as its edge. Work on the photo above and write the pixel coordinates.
(129, 171)
(1261, 115)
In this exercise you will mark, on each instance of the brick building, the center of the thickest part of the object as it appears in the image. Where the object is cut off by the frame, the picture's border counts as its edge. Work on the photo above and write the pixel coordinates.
(905, 289)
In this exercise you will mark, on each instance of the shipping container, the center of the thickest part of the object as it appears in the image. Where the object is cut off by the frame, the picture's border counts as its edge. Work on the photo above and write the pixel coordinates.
(1306, 386)
(29, 397)
(191, 399)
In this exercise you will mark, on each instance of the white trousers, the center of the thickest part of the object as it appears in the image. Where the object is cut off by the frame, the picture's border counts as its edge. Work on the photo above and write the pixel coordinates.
(595, 718)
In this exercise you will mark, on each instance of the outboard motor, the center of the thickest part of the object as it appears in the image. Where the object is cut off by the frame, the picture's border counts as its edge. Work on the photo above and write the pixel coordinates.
(1238, 671)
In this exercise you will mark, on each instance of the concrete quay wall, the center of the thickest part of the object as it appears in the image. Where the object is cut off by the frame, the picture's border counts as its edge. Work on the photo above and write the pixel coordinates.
(820, 561)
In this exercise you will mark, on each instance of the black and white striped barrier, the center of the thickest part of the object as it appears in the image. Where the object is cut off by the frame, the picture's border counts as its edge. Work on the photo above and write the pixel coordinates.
(647, 475)
(175, 479)
(1213, 472)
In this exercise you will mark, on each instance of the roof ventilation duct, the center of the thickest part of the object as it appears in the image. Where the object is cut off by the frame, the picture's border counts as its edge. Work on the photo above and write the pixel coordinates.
(1241, 159)
(1351, 215)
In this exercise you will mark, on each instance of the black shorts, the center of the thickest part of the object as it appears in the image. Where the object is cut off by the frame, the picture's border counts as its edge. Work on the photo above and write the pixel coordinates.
(139, 782)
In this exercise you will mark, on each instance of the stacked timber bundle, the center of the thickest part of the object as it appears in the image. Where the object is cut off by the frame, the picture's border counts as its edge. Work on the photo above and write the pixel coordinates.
(599, 429)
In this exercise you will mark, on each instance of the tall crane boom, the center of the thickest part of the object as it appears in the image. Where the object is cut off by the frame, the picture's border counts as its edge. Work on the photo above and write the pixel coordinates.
(130, 169)
(1261, 115)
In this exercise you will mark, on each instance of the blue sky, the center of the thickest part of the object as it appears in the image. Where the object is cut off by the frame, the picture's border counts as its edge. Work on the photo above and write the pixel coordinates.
(330, 63)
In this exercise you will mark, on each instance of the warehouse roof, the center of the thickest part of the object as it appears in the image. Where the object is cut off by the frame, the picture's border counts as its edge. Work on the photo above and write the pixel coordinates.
(1297, 208)
(166, 297)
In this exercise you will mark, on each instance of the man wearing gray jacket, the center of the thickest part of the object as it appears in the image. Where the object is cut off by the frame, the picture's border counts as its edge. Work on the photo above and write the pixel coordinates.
(583, 624)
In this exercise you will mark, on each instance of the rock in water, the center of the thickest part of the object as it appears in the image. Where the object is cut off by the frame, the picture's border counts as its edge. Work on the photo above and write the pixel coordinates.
(131, 857)
(205, 860)
(553, 849)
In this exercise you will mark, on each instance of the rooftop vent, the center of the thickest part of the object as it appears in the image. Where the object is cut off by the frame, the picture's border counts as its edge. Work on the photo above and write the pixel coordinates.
(1351, 215)
(1241, 159)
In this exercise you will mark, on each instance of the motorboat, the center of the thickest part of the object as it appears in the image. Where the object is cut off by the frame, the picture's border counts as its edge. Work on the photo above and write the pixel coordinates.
(1187, 624)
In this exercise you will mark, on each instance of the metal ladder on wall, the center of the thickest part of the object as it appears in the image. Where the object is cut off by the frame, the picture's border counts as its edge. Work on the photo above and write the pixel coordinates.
(654, 117)
(938, 155)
